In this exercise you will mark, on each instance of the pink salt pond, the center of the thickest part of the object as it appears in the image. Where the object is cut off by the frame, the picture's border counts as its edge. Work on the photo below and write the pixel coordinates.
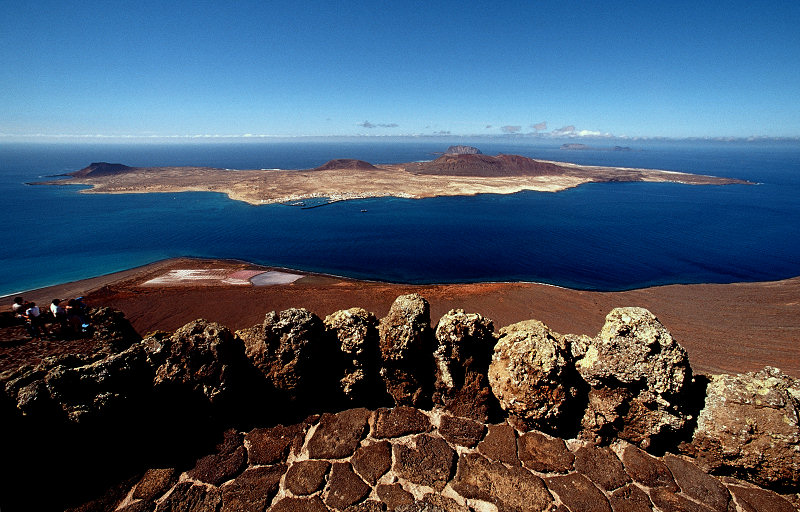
(217, 277)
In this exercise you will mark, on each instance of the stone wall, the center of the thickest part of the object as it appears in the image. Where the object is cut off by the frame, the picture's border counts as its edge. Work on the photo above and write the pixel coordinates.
(406, 459)
(453, 415)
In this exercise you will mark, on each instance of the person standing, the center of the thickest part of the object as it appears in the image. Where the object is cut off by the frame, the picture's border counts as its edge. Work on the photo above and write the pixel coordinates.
(59, 314)
(35, 320)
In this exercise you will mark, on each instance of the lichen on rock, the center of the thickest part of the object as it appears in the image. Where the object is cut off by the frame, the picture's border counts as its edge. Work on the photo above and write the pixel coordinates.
(532, 374)
(638, 375)
(749, 427)
(202, 356)
(355, 334)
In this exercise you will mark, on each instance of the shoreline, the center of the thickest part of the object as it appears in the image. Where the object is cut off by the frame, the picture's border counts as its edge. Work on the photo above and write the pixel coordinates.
(726, 328)
(94, 283)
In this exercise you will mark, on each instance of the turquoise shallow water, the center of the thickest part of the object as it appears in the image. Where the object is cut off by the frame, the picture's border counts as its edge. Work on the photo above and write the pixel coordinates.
(598, 236)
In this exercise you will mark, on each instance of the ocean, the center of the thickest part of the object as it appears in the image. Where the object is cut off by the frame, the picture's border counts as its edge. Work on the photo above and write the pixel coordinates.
(611, 236)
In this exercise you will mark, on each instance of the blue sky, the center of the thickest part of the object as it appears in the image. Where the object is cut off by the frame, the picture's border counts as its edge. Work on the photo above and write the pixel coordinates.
(674, 69)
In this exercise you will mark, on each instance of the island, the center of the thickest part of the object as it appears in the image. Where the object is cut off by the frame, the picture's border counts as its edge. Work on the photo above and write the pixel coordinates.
(586, 147)
(452, 174)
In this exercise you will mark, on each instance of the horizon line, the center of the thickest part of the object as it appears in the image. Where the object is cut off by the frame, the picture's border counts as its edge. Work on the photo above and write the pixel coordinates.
(40, 137)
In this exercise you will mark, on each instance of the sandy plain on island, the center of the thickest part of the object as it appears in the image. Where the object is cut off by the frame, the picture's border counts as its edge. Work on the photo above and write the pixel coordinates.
(725, 328)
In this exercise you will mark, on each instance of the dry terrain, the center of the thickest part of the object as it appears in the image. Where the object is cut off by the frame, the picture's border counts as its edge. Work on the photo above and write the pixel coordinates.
(725, 327)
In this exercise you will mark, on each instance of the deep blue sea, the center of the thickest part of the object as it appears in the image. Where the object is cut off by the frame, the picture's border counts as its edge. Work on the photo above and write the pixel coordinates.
(599, 236)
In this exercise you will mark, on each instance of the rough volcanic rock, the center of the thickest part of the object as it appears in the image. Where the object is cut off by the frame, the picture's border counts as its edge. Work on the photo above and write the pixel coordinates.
(532, 375)
(479, 478)
(253, 489)
(288, 349)
(356, 333)
(638, 374)
(461, 431)
(338, 435)
(229, 460)
(544, 454)
(405, 330)
(465, 343)
(191, 497)
(697, 484)
(204, 357)
(81, 384)
(760, 500)
(630, 498)
(273, 445)
(399, 421)
(602, 466)
(154, 483)
(306, 477)
(345, 487)
(578, 493)
(393, 495)
(367, 506)
(647, 470)
(500, 444)
(749, 426)
(373, 460)
(428, 462)
(136, 506)
(405, 343)
(78, 386)
(111, 330)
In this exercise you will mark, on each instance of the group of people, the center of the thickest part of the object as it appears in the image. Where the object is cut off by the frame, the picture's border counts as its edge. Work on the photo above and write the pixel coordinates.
(69, 317)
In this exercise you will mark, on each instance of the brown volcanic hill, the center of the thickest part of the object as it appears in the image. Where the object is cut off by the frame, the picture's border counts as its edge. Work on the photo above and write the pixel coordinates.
(485, 165)
(344, 163)
(101, 169)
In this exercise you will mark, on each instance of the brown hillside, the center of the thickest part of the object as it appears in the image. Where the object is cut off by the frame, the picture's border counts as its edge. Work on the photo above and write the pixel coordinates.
(345, 163)
(485, 165)
(101, 169)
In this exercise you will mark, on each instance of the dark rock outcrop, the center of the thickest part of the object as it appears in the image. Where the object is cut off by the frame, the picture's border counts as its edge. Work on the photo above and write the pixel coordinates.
(111, 331)
(289, 349)
(465, 343)
(201, 356)
(77, 388)
(355, 332)
(405, 348)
